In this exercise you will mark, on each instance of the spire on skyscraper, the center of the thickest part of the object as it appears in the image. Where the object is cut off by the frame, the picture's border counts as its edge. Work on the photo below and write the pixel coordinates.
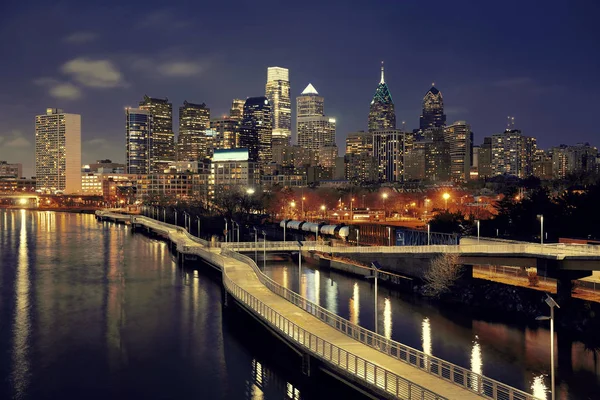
(382, 114)
(382, 80)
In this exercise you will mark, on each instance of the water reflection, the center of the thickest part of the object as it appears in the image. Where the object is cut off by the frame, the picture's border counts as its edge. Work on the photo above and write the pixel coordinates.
(354, 305)
(20, 372)
(538, 387)
(387, 318)
(476, 363)
(331, 296)
(426, 336)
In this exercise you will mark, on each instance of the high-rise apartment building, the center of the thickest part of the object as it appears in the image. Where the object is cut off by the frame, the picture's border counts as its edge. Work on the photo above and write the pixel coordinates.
(237, 109)
(314, 129)
(226, 132)
(567, 160)
(256, 130)
(484, 167)
(458, 137)
(192, 142)
(138, 140)
(8, 170)
(513, 153)
(58, 151)
(388, 150)
(278, 92)
(433, 110)
(163, 138)
(382, 113)
(359, 162)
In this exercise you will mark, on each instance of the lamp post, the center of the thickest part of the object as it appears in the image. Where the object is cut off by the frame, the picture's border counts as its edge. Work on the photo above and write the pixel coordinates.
(428, 234)
(235, 224)
(323, 208)
(541, 218)
(264, 250)
(303, 198)
(175, 216)
(389, 235)
(300, 264)
(284, 225)
(357, 237)
(446, 196)
(351, 208)
(293, 204)
(226, 232)
(198, 218)
(385, 196)
(477, 231)
(551, 303)
(164, 214)
(375, 267)
(255, 245)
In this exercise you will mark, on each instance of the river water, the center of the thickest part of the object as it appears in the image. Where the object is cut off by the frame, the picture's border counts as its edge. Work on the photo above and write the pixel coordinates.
(513, 353)
(90, 311)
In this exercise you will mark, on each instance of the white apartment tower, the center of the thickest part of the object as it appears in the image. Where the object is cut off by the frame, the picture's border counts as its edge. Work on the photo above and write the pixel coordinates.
(315, 130)
(58, 151)
(278, 92)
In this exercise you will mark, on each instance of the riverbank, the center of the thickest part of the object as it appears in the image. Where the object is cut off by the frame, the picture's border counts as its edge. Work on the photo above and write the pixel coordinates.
(74, 210)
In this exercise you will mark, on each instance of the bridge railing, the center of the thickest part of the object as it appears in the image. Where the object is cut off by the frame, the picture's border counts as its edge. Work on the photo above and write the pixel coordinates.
(347, 363)
(268, 245)
(435, 366)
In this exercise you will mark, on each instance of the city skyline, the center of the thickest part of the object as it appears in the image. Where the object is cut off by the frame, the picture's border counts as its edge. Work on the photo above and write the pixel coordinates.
(94, 75)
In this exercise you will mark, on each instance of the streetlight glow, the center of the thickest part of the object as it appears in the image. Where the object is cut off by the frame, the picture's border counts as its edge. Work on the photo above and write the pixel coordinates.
(250, 191)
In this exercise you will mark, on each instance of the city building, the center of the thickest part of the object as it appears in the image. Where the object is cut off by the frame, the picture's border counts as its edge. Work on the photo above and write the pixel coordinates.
(278, 92)
(326, 156)
(162, 138)
(105, 167)
(315, 130)
(415, 161)
(231, 169)
(256, 131)
(283, 180)
(382, 113)
(513, 154)
(294, 156)
(458, 137)
(359, 161)
(237, 109)
(8, 170)
(226, 132)
(437, 155)
(138, 140)
(192, 142)
(17, 185)
(542, 164)
(433, 110)
(484, 166)
(567, 160)
(58, 152)
(388, 151)
(172, 186)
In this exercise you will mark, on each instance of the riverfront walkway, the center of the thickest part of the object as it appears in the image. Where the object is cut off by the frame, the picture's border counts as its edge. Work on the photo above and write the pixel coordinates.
(385, 368)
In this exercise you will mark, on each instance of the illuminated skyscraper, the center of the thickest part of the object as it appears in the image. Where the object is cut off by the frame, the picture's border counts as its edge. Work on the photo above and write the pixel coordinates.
(315, 130)
(138, 140)
(382, 114)
(458, 137)
(256, 129)
(163, 138)
(360, 163)
(512, 153)
(58, 151)
(194, 120)
(278, 92)
(237, 109)
(225, 132)
(433, 110)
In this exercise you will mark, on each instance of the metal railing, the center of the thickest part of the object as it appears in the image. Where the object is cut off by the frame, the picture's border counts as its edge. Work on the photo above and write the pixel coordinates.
(347, 363)
(445, 370)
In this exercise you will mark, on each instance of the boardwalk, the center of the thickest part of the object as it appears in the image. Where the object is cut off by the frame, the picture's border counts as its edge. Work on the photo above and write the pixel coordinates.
(341, 346)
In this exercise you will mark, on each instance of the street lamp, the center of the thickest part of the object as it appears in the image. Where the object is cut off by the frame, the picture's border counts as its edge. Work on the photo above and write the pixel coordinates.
(175, 216)
(323, 208)
(292, 204)
(226, 232)
(389, 235)
(300, 264)
(551, 303)
(352, 209)
(235, 224)
(264, 250)
(357, 237)
(446, 196)
(198, 218)
(385, 196)
(477, 231)
(255, 244)
(250, 191)
(375, 267)
(541, 218)
(164, 214)
(303, 198)
(428, 234)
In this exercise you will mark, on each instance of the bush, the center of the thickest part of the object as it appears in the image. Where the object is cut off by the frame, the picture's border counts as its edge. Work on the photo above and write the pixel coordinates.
(533, 278)
(443, 272)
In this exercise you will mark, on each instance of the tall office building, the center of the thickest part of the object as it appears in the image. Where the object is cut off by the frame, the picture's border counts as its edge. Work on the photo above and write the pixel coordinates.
(314, 129)
(226, 132)
(138, 140)
(388, 150)
(512, 153)
(192, 142)
(237, 109)
(433, 110)
(163, 138)
(458, 137)
(382, 113)
(256, 130)
(359, 162)
(484, 167)
(278, 92)
(58, 151)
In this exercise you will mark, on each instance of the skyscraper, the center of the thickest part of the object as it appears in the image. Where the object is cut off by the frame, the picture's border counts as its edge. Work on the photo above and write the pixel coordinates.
(315, 130)
(512, 153)
(138, 140)
(237, 109)
(58, 151)
(458, 137)
(278, 92)
(194, 120)
(163, 138)
(360, 164)
(226, 132)
(382, 114)
(433, 110)
(256, 129)
(388, 150)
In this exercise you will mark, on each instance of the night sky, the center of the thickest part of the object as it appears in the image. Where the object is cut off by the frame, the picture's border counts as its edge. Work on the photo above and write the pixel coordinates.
(537, 61)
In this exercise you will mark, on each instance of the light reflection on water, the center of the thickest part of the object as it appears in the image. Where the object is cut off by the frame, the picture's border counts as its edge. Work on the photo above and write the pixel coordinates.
(426, 336)
(538, 387)
(387, 318)
(476, 364)
(355, 306)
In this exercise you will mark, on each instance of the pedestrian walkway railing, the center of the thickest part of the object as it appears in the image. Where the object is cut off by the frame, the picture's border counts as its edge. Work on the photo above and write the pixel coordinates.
(345, 362)
(460, 376)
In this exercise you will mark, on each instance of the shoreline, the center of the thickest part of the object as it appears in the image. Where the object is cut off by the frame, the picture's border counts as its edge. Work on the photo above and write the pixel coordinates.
(67, 210)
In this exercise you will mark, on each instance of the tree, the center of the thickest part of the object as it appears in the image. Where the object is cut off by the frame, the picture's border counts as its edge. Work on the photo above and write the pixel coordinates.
(443, 272)
(447, 222)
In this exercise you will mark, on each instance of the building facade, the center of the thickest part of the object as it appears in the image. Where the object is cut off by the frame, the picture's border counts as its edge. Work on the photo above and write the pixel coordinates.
(8, 170)
(138, 140)
(388, 151)
(192, 142)
(484, 167)
(232, 169)
(226, 132)
(433, 110)
(277, 91)
(58, 152)
(458, 137)
(256, 130)
(163, 138)
(315, 130)
(359, 161)
(382, 112)
(578, 159)
(237, 109)
(513, 154)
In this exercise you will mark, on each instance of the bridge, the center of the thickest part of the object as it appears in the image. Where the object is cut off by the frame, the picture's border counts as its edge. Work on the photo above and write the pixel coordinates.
(377, 366)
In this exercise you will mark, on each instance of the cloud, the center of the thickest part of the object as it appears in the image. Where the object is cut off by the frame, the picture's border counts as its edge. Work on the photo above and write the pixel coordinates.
(16, 140)
(94, 73)
(80, 37)
(181, 68)
(513, 82)
(60, 90)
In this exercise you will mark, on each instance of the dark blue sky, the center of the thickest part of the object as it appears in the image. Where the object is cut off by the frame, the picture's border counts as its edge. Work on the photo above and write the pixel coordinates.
(537, 61)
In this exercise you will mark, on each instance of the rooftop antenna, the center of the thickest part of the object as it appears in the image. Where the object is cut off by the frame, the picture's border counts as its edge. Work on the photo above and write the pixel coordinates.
(382, 80)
